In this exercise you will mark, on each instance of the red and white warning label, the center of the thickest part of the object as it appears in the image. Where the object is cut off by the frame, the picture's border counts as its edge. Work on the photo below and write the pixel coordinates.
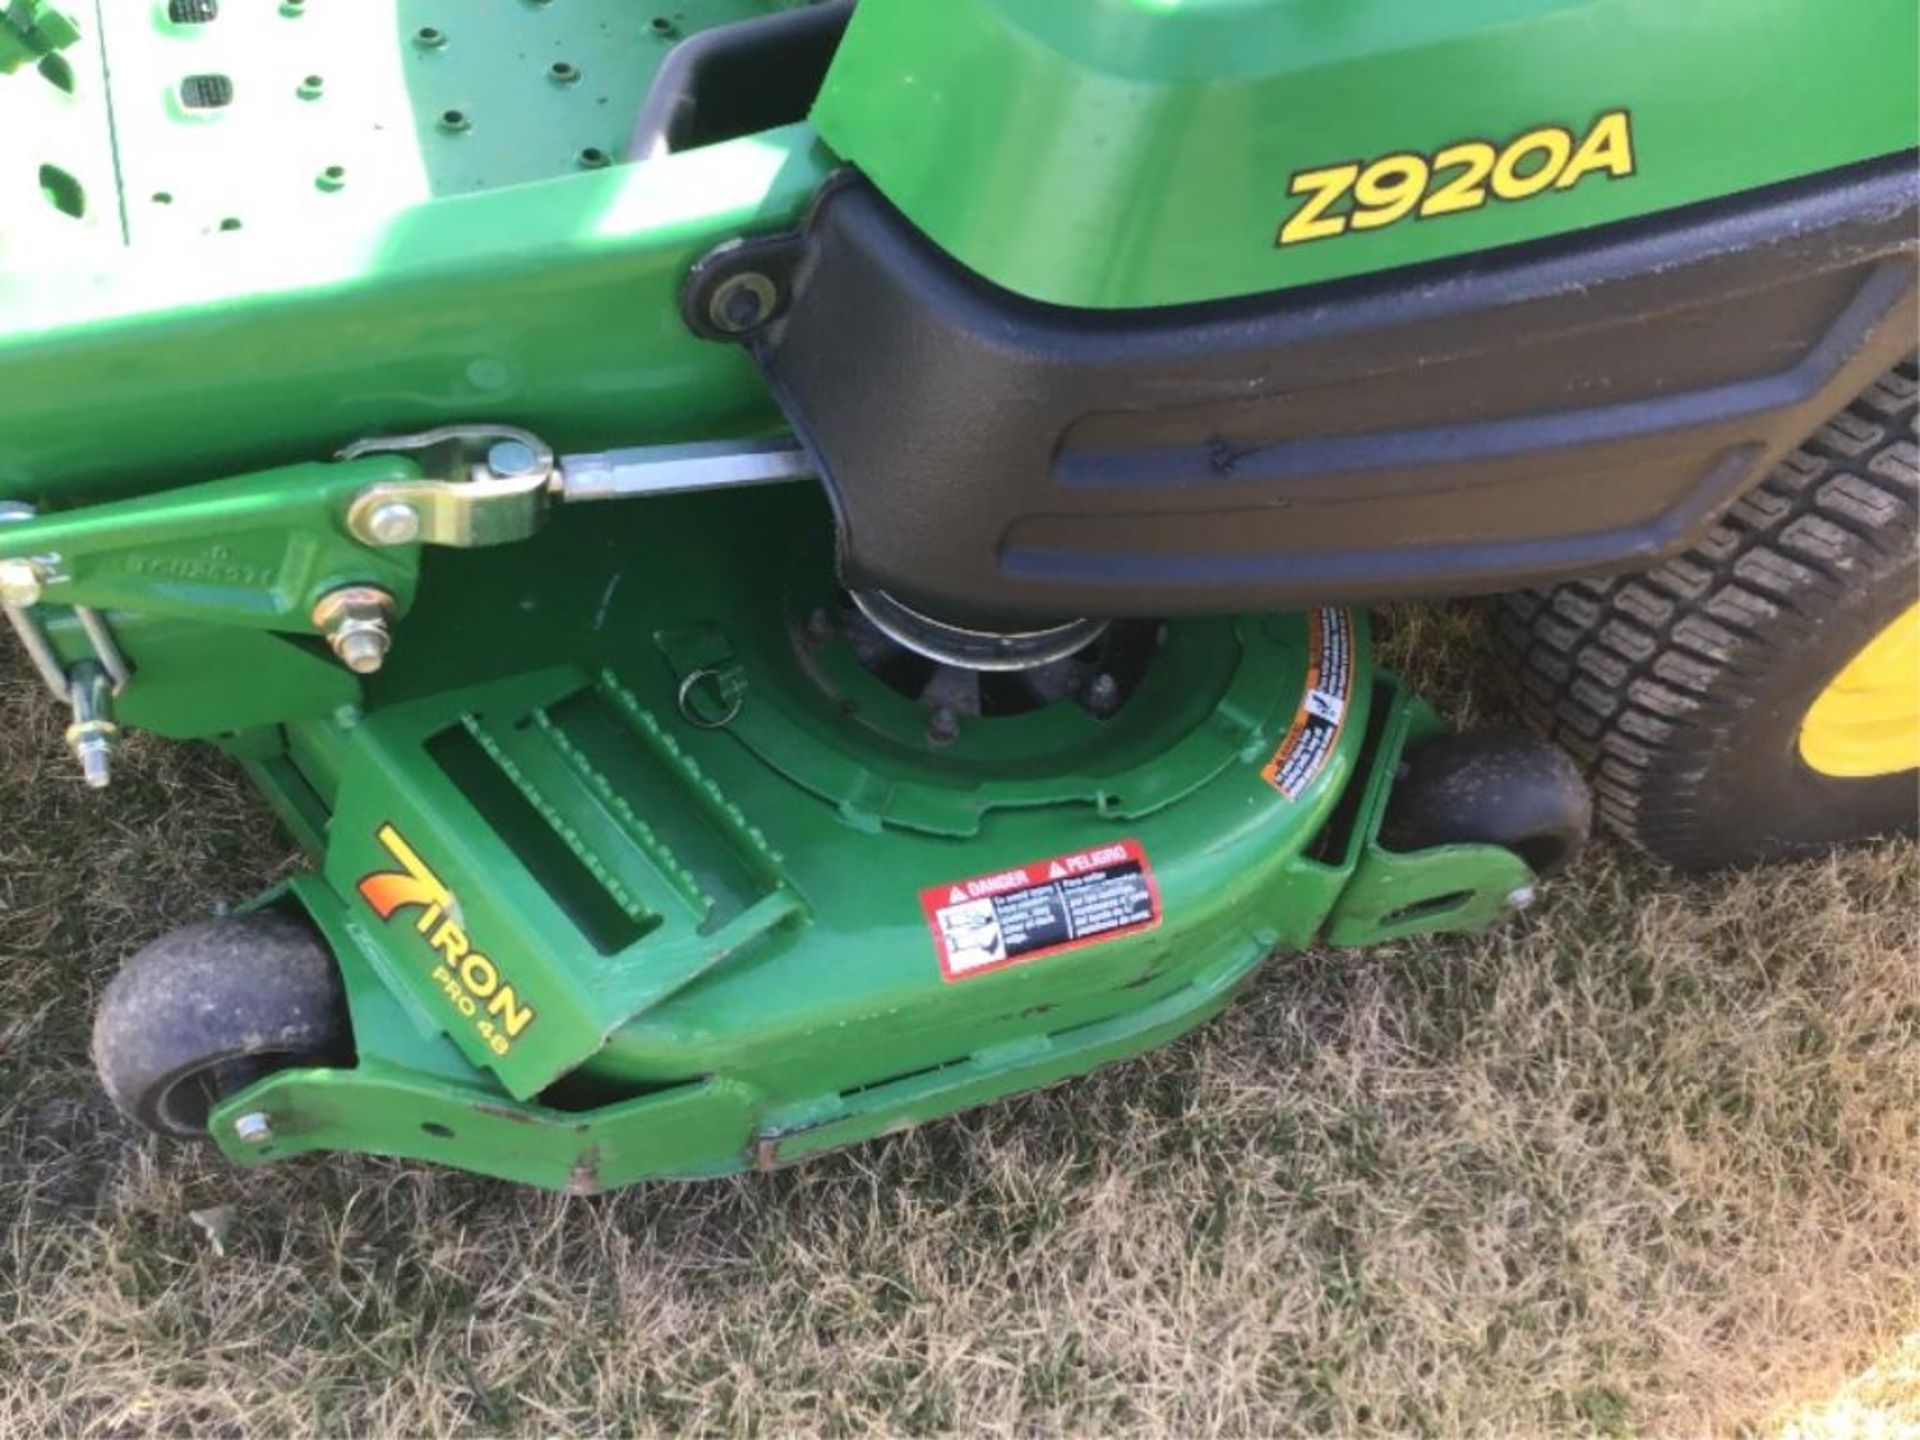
(1041, 909)
(1315, 731)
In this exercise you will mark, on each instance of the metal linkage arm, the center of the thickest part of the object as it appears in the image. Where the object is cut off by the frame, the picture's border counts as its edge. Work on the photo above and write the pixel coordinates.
(489, 485)
(676, 469)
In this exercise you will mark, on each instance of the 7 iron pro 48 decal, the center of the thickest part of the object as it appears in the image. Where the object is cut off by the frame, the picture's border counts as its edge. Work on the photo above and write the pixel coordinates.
(1370, 195)
(469, 979)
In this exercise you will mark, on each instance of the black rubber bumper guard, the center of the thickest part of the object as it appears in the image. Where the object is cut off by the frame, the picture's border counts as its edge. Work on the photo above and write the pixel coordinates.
(1560, 408)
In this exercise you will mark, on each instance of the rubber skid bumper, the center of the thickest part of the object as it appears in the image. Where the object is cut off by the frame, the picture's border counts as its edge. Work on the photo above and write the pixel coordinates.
(1561, 408)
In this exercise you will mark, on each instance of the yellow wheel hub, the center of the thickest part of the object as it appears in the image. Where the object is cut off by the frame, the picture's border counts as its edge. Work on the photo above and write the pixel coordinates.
(1867, 721)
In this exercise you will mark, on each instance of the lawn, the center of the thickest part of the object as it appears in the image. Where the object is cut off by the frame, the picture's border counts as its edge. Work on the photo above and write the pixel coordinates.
(1646, 1160)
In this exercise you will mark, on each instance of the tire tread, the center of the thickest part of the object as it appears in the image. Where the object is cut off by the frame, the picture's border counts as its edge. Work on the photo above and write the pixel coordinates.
(1639, 676)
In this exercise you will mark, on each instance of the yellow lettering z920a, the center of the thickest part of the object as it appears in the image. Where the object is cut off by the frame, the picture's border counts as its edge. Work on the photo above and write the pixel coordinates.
(1361, 196)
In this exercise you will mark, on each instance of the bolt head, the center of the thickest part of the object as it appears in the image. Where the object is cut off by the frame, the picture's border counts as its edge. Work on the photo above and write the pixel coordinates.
(512, 457)
(354, 620)
(394, 523)
(819, 629)
(20, 582)
(943, 725)
(253, 1128)
(1103, 695)
(740, 302)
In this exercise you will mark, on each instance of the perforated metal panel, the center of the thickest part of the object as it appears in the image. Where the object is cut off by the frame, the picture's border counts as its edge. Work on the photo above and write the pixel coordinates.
(223, 115)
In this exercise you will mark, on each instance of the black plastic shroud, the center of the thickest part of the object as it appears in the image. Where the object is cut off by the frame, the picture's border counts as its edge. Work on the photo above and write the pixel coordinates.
(1519, 416)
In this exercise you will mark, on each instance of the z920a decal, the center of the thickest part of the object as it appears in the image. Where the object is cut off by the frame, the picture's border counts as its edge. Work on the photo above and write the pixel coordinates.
(1361, 196)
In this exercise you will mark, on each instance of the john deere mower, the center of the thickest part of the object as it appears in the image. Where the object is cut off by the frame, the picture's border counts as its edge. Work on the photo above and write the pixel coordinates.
(798, 568)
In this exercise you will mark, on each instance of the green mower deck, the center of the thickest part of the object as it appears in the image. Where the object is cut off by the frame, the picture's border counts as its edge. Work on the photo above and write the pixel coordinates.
(988, 403)
(636, 830)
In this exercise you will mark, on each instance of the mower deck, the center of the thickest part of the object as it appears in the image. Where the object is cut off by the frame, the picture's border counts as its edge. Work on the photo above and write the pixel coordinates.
(644, 846)
(670, 867)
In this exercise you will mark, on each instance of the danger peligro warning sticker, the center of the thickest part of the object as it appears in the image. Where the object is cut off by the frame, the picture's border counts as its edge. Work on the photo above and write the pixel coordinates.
(1011, 916)
(1310, 740)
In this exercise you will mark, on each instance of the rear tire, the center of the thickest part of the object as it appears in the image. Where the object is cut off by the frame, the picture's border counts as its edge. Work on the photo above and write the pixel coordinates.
(1682, 691)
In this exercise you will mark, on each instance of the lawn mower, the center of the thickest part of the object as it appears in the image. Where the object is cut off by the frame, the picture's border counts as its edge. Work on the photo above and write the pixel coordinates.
(798, 568)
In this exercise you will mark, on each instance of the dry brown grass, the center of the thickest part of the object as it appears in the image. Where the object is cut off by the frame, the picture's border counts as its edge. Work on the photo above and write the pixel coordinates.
(1644, 1161)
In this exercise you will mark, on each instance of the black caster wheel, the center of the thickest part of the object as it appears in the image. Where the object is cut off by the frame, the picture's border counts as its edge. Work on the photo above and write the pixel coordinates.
(205, 1011)
(1491, 787)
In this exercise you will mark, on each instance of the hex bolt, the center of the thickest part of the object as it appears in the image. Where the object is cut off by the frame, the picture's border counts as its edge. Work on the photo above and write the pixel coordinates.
(354, 620)
(253, 1128)
(1103, 695)
(943, 726)
(819, 629)
(93, 734)
(1523, 897)
(742, 301)
(20, 582)
(393, 522)
(512, 457)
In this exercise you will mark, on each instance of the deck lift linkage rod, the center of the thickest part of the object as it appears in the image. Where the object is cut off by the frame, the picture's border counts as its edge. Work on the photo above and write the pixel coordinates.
(465, 486)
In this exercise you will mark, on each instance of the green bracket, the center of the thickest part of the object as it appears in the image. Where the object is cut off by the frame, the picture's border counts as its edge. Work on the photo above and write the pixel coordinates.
(182, 687)
(415, 1117)
(617, 873)
(410, 1094)
(1394, 894)
(31, 29)
(256, 550)
(1451, 888)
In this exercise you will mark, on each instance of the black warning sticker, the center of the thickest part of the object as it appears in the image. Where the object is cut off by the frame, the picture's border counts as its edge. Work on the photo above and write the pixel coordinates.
(1315, 731)
(1040, 909)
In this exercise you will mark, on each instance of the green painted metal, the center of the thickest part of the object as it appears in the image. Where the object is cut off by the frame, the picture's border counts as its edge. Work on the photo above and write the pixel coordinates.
(228, 683)
(1139, 152)
(237, 350)
(690, 848)
(408, 1097)
(31, 30)
(204, 586)
(1396, 894)
(551, 305)
(589, 935)
(257, 550)
(718, 932)
(342, 112)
